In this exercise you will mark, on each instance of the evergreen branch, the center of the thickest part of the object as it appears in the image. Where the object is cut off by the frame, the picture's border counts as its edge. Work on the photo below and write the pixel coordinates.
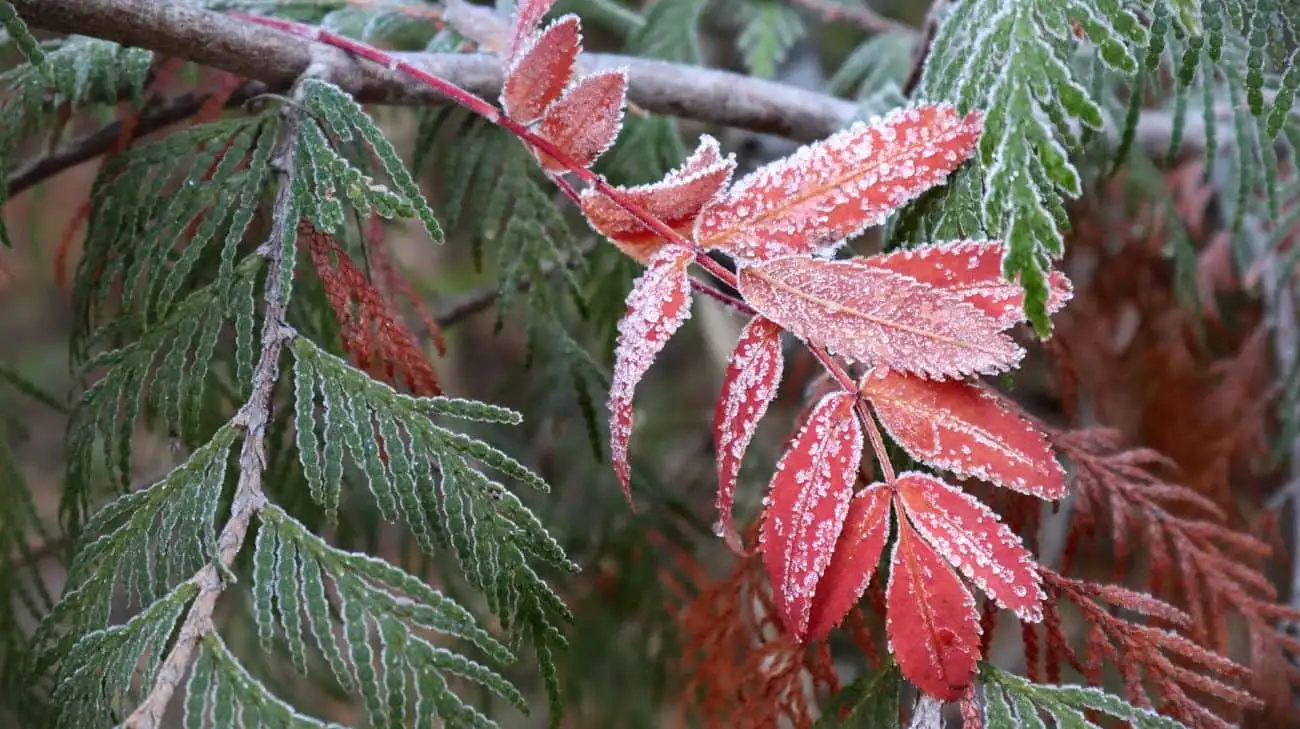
(661, 87)
(252, 418)
(93, 144)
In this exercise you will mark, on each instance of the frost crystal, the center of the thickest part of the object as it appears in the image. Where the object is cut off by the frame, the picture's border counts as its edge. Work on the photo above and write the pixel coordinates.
(839, 186)
(658, 304)
(878, 317)
(524, 23)
(810, 494)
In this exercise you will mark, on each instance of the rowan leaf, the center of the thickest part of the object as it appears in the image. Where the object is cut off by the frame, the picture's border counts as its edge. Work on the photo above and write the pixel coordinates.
(840, 186)
(751, 381)
(972, 538)
(524, 23)
(972, 269)
(660, 301)
(676, 201)
(543, 71)
(963, 428)
(857, 554)
(586, 120)
(878, 317)
(807, 502)
(933, 629)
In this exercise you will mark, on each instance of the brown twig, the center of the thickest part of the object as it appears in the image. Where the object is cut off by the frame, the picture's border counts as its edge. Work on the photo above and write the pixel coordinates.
(923, 48)
(660, 87)
(252, 419)
(863, 17)
(89, 146)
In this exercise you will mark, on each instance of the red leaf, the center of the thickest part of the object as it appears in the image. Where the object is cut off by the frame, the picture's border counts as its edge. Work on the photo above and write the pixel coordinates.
(975, 541)
(751, 381)
(585, 121)
(675, 201)
(660, 301)
(933, 629)
(543, 70)
(973, 270)
(807, 502)
(524, 23)
(878, 317)
(963, 428)
(856, 556)
(839, 186)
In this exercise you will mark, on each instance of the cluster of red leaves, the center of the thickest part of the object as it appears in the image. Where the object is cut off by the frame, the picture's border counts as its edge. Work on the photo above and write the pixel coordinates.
(1195, 558)
(372, 334)
(917, 318)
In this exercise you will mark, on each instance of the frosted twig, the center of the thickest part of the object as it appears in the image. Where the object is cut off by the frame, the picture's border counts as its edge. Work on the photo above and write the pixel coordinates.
(252, 419)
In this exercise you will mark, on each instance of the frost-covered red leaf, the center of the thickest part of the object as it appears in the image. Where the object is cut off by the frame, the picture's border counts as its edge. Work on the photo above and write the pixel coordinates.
(675, 201)
(878, 317)
(857, 554)
(751, 381)
(660, 301)
(972, 538)
(807, 502)
(585, 121)
(930, 618)
(524, 23)
(839, 186)
(972, 269)
(963, 428)
(543, 71)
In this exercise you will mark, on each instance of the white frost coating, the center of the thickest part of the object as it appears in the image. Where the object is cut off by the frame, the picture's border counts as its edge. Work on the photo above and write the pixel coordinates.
(972, 538)
(585, 121)
(962, 428)
(838, 187)
(810, 494)
(752, 379)
(657, 306)
(878, 317)
(543, 70)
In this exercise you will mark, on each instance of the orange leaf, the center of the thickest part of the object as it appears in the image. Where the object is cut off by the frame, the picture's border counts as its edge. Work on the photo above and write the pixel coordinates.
(660, 301)
(675, 201)
(543, 70)
(973, 270)
(856, 556)
(878, 317)
(839, 186)
(807, 502)
(524, 23)
(751, 381)
(963, 428)
(585, 121)
(972, 538)
(933, 629)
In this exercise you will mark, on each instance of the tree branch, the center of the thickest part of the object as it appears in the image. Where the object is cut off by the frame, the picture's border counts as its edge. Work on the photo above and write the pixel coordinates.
(259, 53)
(861, 16)
(252, 419)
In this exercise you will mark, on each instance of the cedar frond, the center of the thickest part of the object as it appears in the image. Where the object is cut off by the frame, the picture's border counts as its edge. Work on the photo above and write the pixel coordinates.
(744, 668)
(1196, 558)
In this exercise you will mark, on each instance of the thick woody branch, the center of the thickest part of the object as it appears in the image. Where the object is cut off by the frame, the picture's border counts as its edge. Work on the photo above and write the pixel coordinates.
(262, 54)
(252, 419)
